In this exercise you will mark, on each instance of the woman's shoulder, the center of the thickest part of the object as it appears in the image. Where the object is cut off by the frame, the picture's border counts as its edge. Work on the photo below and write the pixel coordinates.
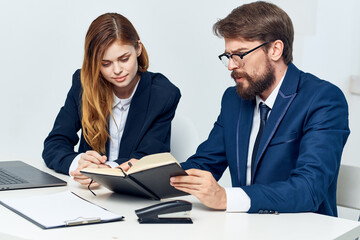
(76, 77)
(161, 91)
(76, 81)
(159, 81)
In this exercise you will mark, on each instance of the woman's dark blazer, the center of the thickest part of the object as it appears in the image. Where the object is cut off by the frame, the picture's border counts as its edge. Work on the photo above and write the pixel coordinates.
(147, 128)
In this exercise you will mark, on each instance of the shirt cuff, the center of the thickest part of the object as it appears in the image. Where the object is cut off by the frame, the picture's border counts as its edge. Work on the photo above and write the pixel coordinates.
(75, 163)
(112, 164)
(237, 200)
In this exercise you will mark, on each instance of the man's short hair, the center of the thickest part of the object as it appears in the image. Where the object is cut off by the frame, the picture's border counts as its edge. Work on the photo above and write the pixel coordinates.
(258, 21)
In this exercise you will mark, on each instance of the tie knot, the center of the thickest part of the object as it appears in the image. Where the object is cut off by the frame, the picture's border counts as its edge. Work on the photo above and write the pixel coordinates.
(264, 110)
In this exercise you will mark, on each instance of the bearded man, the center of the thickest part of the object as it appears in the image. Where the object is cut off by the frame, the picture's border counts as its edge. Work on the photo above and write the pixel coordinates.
(280, 131)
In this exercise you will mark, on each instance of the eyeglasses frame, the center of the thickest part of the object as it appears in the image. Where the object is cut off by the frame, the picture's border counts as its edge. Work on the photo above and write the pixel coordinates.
(242, 55)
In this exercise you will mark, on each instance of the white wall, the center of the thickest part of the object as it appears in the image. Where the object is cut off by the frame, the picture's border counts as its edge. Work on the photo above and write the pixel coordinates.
(41, 45)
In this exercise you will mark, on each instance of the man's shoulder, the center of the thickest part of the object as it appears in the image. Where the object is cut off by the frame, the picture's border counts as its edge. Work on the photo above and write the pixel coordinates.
(307, 84)
(230, 94)
(231, 100)
(315, 85)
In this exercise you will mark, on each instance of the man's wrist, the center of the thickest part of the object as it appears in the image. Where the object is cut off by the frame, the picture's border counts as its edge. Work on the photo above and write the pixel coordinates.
(237, 200)
(223, 199)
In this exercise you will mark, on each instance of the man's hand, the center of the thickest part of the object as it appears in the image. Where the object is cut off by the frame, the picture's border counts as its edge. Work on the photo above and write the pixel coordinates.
(202, 185)
(90, 159)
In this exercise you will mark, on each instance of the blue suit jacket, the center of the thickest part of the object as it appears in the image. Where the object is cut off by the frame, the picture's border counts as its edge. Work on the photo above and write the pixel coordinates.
(298, 159)
(147, 128)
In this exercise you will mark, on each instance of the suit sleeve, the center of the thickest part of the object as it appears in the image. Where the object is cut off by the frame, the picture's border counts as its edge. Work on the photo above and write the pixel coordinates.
(156, 139)
(211, 155)
(324, 134)
(58, 150)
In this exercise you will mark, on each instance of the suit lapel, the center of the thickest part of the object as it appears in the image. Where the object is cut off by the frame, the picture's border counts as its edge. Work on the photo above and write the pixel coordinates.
(286, 95)
(242, 138)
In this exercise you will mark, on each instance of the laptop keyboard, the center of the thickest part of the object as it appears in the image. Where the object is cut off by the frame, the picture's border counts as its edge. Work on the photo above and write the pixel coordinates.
(9, 178)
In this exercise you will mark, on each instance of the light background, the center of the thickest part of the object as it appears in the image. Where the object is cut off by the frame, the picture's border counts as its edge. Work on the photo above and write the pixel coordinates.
(41, 45)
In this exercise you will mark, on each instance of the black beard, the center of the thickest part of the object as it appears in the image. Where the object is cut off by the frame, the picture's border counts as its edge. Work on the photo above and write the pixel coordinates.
(257, 84)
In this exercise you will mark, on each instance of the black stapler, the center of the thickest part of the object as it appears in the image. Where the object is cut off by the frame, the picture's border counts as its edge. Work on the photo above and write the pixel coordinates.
(150, 214)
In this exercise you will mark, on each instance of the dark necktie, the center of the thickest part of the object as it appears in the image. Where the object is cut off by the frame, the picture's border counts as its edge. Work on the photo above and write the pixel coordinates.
(264, 110)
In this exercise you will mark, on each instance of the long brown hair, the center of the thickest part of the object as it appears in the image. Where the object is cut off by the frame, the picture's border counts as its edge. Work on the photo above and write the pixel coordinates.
(261, 21)
(97, 95)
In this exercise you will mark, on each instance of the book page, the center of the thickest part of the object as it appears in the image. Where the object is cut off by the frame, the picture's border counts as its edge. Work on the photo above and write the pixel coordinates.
(106, 171)
(152, 161)
(55, 210)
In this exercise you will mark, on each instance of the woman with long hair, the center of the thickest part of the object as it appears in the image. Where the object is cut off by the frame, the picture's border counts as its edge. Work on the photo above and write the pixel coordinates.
(123, 111)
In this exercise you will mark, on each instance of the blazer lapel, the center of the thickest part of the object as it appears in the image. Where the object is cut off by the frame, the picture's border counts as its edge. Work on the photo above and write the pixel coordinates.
(286, 95)
(137, 116)
(242, 138)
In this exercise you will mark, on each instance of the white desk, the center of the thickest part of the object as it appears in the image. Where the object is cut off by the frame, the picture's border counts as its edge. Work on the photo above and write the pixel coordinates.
(208, 224)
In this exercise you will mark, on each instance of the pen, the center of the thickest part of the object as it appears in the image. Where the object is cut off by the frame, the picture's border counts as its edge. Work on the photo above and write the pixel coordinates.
(130, 164)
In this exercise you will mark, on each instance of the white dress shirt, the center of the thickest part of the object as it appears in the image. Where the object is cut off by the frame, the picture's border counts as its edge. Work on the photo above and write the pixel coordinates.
(120, 110)
(237, 199)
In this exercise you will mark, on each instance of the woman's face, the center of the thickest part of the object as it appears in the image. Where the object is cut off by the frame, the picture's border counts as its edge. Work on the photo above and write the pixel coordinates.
(119, 66)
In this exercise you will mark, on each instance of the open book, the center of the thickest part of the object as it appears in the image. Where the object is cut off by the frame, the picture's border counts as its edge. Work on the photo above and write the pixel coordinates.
(149, 177)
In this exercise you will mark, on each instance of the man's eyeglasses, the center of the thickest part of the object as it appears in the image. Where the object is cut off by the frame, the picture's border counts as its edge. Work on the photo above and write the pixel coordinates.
(237, 58)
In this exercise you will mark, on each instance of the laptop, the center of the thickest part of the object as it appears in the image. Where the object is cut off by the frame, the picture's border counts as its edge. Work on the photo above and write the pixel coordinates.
(19, 175)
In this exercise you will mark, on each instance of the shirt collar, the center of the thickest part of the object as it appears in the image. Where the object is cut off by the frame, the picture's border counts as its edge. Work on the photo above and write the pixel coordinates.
(271, 99)
(124, 103)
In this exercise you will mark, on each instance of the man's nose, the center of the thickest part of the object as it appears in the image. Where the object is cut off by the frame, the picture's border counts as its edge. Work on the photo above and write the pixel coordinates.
(232, 65)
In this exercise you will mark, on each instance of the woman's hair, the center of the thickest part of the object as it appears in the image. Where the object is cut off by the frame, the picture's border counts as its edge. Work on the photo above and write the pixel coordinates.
(258, 21)
(97, 95)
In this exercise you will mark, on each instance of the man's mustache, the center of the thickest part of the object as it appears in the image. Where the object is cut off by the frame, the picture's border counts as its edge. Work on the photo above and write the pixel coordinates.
(236, 75)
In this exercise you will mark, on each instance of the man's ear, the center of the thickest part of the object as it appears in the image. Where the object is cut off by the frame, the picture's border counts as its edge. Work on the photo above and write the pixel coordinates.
(139, 48)
(276, 49)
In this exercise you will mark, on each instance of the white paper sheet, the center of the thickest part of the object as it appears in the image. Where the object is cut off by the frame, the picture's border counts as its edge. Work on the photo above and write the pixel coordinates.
(55, 210)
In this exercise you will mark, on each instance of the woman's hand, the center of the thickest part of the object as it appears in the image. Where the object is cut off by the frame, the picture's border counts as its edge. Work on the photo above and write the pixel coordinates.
(90, 159)
(127, 165)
